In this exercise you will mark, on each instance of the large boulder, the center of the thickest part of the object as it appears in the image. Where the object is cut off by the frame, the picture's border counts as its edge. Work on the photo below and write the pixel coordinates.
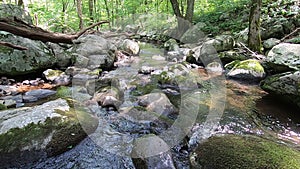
(194, 34)
(247, 152)
(12, 11)
(93, 52)
(284, 84)
(276, 28)
(249, 69)
(16, 62)
(284, 56)
(31, 133)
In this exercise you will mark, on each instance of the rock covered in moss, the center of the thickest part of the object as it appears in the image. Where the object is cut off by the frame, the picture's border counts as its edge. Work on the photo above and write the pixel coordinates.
(41, 131)
(249, 69)
(57, 77)
(16, 62)
(287, 84)
(284, 56)
(246, 152)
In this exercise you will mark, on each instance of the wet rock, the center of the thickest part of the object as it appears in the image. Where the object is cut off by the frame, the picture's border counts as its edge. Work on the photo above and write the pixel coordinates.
(108, 96)
(130, 46)
(157, 102)
(51, 128)
(34, 95)
(94, 51)
(270, 43)
(284, 56)
(73, 70)
(194, 34)
(285, 84)
(248, 152)
(58, 77)
(246, 70)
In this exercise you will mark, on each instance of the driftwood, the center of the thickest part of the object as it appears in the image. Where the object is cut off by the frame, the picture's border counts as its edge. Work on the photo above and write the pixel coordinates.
(20, 28)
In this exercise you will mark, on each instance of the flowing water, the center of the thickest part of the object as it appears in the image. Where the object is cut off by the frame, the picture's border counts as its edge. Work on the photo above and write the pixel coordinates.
(114, 140)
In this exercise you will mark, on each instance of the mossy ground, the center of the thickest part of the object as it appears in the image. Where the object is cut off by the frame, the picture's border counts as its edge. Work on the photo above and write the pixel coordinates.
(244, 152)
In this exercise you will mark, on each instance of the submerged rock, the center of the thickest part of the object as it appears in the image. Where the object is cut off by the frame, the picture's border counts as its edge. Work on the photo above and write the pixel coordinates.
(246, 70)
(284, 56)
(247, 152)
(30, 134)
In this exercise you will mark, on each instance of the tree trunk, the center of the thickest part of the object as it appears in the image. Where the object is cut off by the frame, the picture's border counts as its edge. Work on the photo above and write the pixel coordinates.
(254, 39)
(20, 28)
(183, 22)
(91, 11)
(79, 13)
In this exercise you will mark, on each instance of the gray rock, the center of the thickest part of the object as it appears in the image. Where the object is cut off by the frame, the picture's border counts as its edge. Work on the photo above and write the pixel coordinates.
(108, 96)
(146, 69)
(87, 46)
(157, 102)
(194, 34)
(222, 43)
(130, 46)
(8, 103)
(41, 131)
(15, 62)
(171, 45)
(284, 84)
(270, 43)
(35, 95)
(58, 77)
(11, 11)
(249, 69)
(231, 55)
(284, 56)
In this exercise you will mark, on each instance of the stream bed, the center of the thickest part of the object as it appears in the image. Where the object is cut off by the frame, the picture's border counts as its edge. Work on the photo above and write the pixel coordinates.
(114, 142)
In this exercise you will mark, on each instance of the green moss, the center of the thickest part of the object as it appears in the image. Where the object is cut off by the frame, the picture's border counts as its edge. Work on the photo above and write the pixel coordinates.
(95, 72)
(144, 89)
(246, 152)
(66, 132)
(64, 92)
(2, 107)
(250, 64)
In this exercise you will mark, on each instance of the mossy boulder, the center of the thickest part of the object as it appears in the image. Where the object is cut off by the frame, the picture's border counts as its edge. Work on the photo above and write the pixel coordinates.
(32, 133)
(16, 62)
(246, 152)
(194, 34)
(249, 69)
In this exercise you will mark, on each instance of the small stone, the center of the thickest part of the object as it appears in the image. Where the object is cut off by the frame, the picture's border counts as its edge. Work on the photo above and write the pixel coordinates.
(8, 103)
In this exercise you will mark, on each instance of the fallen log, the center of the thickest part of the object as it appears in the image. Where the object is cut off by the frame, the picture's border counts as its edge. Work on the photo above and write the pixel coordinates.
(17, 27)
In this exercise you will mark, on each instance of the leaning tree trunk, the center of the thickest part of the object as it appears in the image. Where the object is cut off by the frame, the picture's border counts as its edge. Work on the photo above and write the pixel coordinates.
(254, 39)
(79, 13)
